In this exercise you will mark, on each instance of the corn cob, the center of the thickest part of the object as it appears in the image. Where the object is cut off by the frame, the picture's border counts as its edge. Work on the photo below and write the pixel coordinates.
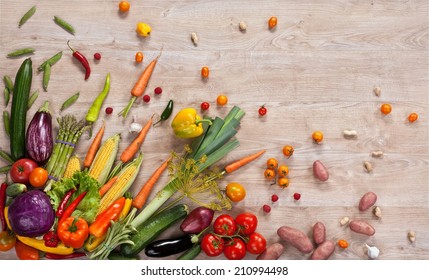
(104, 159)
(73, 165)
(125, 179)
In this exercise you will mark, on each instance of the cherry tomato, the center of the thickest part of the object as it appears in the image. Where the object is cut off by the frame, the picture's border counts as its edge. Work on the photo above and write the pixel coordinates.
(413, 117)
(262, 110)
(205, 106)
(205, 72)
(25, 252)
(224, 225)
(124, 6)
(256, 244)
(272, 22)
(246, 222)
(272, 163)
(235, 249)
(139, 57)
(235, 191)
(269, 173)
(283, 170)
(343, 243)
(386, 108)
(288, 150)
(222, 100)
(21, 169)
(7, 241)
(212, 245)
(317, 136)
(283, 182)
(38, 177)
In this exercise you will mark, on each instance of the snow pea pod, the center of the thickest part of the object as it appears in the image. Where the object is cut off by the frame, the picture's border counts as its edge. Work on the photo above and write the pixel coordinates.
(20, 52)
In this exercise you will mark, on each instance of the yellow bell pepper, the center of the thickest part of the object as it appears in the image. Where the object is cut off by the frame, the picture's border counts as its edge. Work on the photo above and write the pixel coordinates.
(188, 124)
(143, 29)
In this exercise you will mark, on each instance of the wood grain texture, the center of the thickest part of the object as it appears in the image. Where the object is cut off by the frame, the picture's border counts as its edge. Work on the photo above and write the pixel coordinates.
(315, 71)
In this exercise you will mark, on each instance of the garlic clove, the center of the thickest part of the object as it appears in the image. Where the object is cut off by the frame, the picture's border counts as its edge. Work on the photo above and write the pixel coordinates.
(373, 251)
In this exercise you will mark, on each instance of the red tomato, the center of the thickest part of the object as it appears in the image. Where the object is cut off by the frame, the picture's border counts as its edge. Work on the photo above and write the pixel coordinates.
(224, 225)
(235, 249)
(25, 252)
(212, 245)
(256, 244)
(246, 222)
(7, 241)
(21, 169)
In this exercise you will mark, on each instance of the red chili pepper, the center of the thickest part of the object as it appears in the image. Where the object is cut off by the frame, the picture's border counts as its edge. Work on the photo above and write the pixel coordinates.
(2, 205)
(51, 239)
(67, 213)
(63, 203)
(82, 59)
(53, 256)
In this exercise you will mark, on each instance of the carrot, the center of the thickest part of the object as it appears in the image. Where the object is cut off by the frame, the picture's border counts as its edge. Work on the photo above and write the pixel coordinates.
(140, 85)
(243, 161)
(133, 148)
(90, 155)
(103, 190)
(140, 199)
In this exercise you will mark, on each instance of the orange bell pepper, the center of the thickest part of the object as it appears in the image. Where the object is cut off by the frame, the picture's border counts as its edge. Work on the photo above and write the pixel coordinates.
(102, 222)
(73, 232)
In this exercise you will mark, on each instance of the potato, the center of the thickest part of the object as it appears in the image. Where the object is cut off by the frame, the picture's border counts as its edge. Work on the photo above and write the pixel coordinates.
(367, 201)
(319, 233)
(362, 227)
(272, 252)
(323, 251)
(296, 238)
(320, 171)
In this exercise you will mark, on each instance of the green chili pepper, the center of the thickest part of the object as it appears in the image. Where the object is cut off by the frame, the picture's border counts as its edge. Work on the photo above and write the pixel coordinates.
(6, 122)
(46, 76)
(27, 16)
(167, 112)
(5, 169)
(32, 99)
(21, 52)
(54, 59)
(70, 101)
(6, 156)
(8, 82)
(95, 108)
(65, 25)
(6, 96)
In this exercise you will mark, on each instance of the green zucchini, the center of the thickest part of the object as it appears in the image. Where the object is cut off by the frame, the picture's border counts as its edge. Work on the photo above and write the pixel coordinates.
(191, 253)
(152, 228)
(21, 93)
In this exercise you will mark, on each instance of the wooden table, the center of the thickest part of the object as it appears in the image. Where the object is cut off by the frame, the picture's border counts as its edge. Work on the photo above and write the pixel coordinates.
(315, 71)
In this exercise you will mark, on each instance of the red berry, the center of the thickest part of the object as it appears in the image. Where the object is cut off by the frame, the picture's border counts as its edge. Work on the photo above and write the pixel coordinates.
(97, 56)
(274, 198)
(296, 196)
(158, 90)
(266, 208)
(205, 106)
(262, 110)
(146, 98)
(109, 110)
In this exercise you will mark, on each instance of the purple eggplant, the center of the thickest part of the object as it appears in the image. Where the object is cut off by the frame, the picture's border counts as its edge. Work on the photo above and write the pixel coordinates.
(197, 220)
(39, 141)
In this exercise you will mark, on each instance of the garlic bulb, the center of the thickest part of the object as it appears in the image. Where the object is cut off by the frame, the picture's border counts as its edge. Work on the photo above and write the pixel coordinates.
(373, 251)
(135, 127)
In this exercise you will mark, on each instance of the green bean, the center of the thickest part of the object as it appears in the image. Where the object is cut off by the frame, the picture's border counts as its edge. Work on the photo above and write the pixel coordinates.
(70, 101)
(20, 52)
(6, 156)
(6, 96)
(65, 25)
(52, 60)
(46, 76)
(32, 99)
(5, 169)
(27, 16)
(6, 122)
(8, 82)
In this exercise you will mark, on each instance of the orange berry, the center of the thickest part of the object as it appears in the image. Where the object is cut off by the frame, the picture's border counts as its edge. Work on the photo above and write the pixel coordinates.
(343, 243)
(386, 108)
(205, 72)
(272, 22)
(317, 136)
(139, 57)
(413, 117)
(222, 100)
(124, 6)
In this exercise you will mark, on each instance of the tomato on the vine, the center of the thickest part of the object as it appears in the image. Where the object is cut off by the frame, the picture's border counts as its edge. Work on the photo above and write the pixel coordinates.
(288, 150)
(7, 241)
(246, 222)
(272, 163)
(21, 169)
(235, 249)
(38, 177)
(262, 110)
(235, 191)
(224, 225)
(256, 244)
(212, 245)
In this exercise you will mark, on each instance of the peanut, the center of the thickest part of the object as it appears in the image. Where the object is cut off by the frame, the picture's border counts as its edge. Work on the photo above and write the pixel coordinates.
(344, 221)
(377, 91)
(377, 212)
(368, 166)
(350, 133)
(194, 38)
(377, 154)
(242, 25)
(412, 236)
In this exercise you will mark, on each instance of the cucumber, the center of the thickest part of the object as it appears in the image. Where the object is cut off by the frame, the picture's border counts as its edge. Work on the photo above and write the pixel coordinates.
(16, 189)
(152, 228)
(18, 116)
(191, 253)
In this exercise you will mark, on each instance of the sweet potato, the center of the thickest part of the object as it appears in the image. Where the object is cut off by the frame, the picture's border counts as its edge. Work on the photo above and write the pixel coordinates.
(323, 251)
(272, 252)
(320, 171)
(296, 238)
(319, 233)
(367, 201)
(362, 227)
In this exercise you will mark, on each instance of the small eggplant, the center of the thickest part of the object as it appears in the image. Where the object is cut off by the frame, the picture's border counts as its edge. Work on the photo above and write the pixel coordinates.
(39, 140)
(197, 220)
(167, 247)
